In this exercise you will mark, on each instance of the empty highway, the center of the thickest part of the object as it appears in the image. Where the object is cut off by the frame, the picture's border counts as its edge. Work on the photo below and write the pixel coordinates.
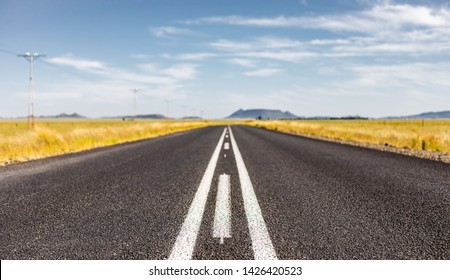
(226, 193)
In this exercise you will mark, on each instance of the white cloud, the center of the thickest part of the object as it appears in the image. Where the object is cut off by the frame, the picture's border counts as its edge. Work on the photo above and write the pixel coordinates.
(286, 56)
(278, 43)
(325, 42)
(383, 28)
(191, 56)
(181, 71)
(267, 72)
(140, 56)
(279, 21)
(243, 62)
(228, 45)
(256, 44)
(148, 67)
(382, 16)
(409, 75)
(401, 47)
(167, 31)
(81, 64)
(153, 75)
(407, 15)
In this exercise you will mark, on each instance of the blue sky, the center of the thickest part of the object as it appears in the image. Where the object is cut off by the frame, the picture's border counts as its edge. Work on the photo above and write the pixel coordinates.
(335, 58)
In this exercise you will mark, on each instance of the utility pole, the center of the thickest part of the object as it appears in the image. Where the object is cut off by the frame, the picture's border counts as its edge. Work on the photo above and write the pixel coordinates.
(167, 108)
(184, 111)
(135, 90)
(31, 57)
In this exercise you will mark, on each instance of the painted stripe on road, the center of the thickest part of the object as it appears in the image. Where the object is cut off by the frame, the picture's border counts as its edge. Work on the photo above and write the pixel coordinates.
(226, 146)
(185, 243)
(262, 245)
(222, 216)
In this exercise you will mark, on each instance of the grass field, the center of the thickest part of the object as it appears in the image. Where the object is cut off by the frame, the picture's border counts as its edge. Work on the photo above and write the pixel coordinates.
(427, 135)
(54, 137)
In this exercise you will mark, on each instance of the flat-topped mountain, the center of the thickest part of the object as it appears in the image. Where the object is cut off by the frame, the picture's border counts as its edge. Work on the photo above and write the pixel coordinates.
(64, 116)
(427, 115)
(261, 114)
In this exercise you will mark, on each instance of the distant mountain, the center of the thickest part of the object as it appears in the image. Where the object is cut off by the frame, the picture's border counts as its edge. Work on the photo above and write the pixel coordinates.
(427, 115)
(191, 118)
(64, 116)
(149, 117)
(261, 114)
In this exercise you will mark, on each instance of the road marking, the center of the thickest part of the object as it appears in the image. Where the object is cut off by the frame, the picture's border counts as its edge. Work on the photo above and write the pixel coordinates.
(262, 245)
(222, 216)
(185, 243)
(226, 146)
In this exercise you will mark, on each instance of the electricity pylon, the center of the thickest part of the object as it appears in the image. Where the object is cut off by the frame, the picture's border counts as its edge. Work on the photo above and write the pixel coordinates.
(135, 90)
(31, 57)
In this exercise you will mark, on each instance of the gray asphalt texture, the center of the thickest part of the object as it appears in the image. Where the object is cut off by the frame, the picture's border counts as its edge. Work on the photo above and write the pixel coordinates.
(320, 200)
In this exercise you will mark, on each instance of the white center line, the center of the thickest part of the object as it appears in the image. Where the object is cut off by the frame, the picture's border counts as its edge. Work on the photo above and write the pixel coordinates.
(185, 243)
(222, 216)
(262, 245)
(226, 146)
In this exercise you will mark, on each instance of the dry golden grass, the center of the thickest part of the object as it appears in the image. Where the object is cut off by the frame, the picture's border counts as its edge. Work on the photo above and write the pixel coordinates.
(54, 137)
(427, 135)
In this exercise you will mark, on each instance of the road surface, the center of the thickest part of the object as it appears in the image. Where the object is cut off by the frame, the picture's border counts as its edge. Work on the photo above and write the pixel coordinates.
(220, 193)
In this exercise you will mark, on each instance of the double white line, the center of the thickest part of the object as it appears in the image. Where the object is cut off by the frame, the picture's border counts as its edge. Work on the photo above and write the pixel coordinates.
(262, 245)
(185, 243)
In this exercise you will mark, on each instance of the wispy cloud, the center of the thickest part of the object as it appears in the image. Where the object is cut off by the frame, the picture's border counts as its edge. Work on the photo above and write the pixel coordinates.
(383, 28)
(80, 64)
(229, 45)
(382, 16)
(167, 31)
(410, 75)
(181, 71)
(267, 72)
(140, 56)
(243, 62)
(190, 56)
(111, 84)
(286, 56)
(256, 44)
(150, 74)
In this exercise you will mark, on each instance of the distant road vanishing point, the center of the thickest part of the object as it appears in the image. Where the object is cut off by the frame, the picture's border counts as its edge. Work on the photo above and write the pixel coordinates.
(226, 193)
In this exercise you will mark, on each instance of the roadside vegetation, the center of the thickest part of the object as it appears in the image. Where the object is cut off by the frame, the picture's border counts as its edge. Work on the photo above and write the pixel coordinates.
(54, 137)
(425, 135)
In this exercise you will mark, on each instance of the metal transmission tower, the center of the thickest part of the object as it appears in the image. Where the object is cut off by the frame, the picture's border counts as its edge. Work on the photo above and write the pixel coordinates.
(31, 57)
(167, 107)
(184, 111)
(135, 90)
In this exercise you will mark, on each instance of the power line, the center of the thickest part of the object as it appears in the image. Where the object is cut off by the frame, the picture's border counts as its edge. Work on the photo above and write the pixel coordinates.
(8, 51)
(65, 70)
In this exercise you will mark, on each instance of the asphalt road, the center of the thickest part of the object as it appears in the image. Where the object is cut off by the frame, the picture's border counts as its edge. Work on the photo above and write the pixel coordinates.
(288, 197)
